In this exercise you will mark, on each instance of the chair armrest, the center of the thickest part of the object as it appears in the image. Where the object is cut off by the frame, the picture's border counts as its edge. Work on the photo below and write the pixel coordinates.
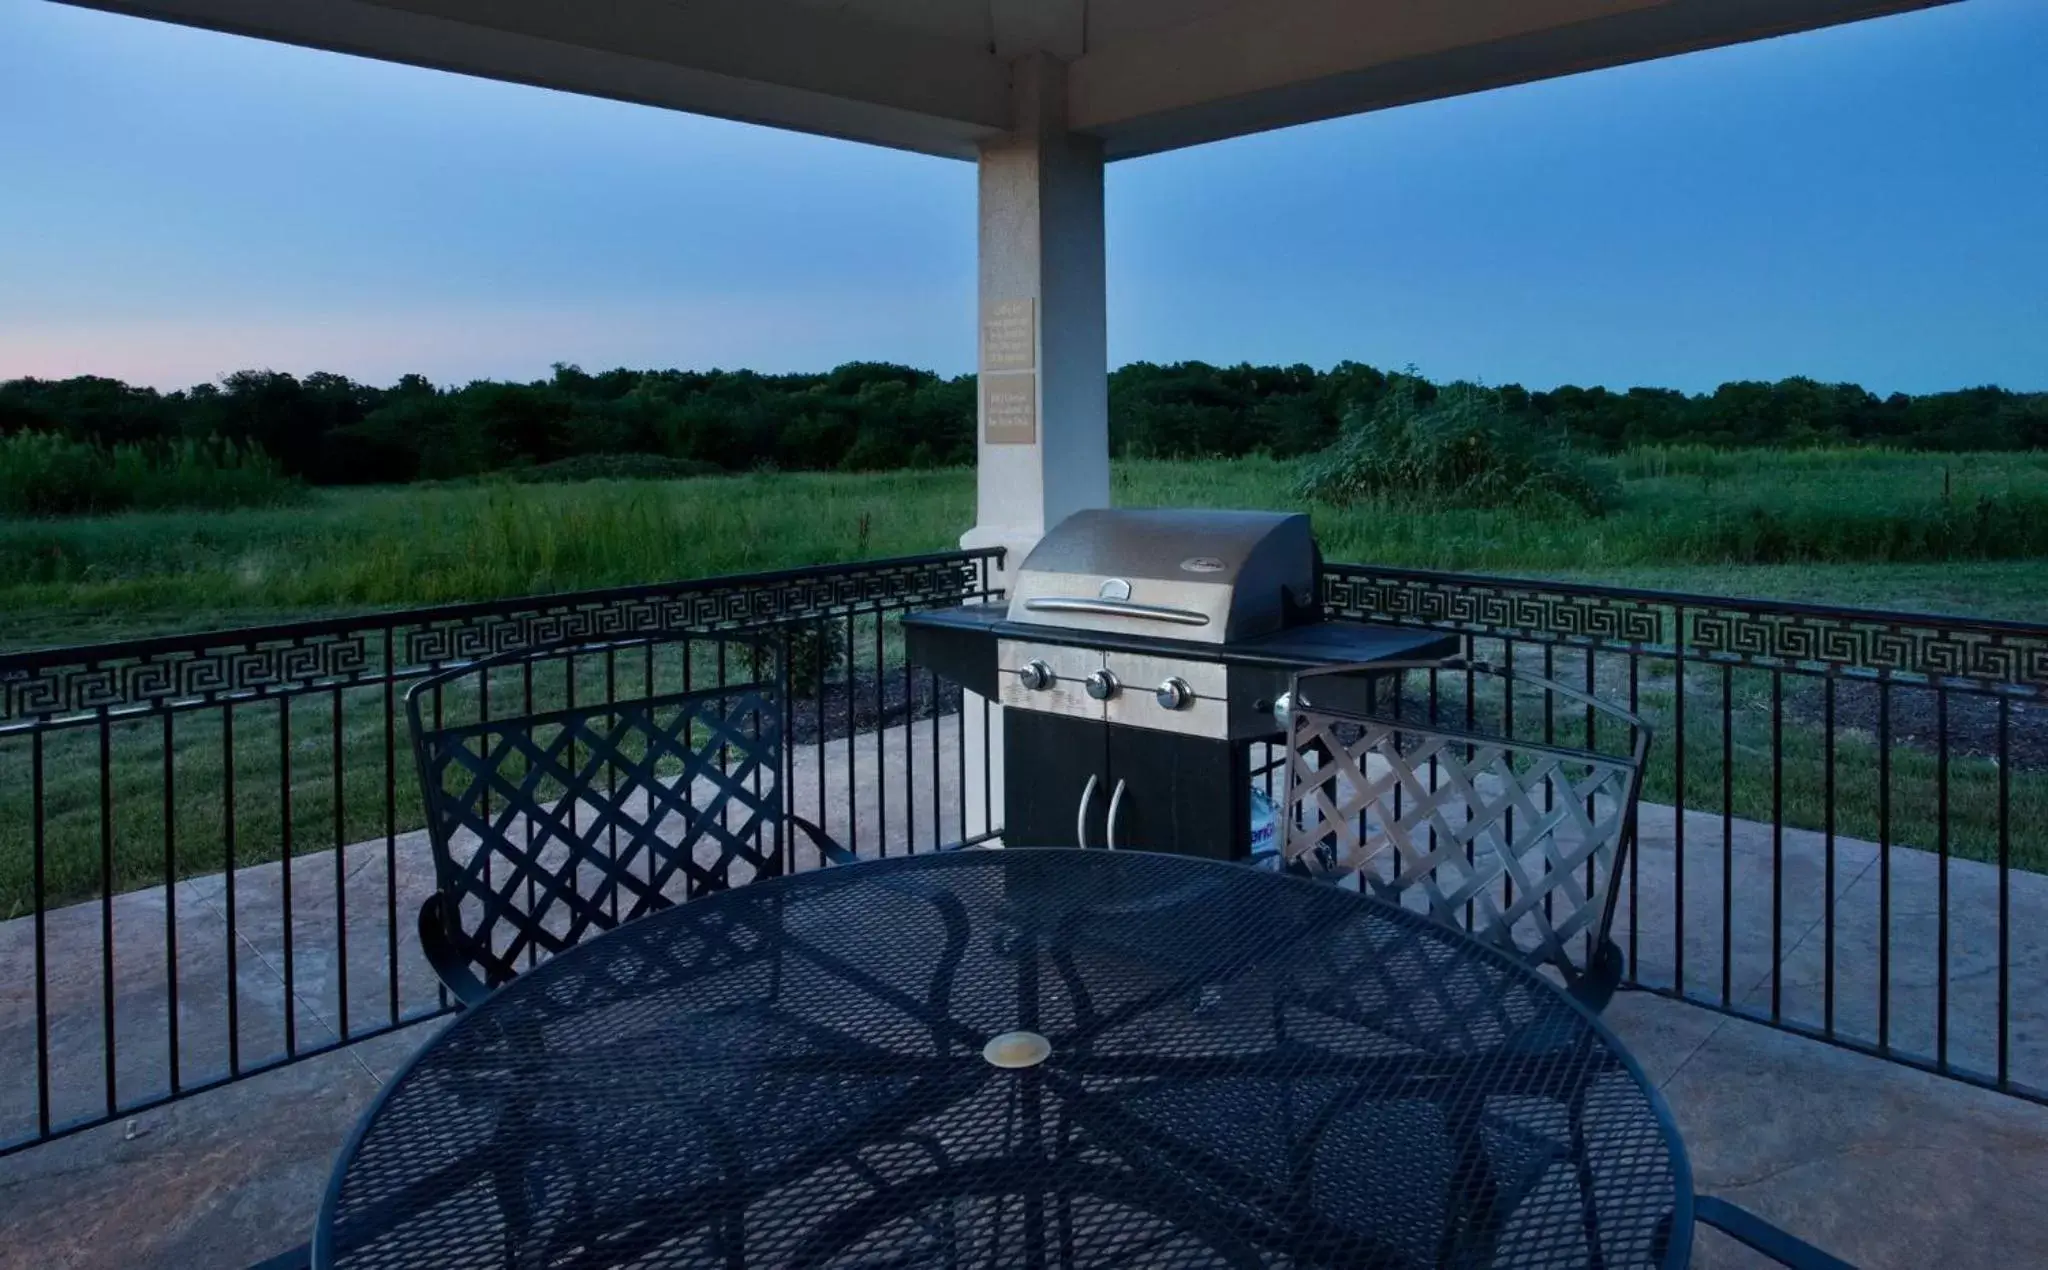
(1747, 1228)
(828, 847)
(449, 954)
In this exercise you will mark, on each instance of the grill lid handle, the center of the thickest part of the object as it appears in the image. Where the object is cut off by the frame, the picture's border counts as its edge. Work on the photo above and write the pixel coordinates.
(1115, 608)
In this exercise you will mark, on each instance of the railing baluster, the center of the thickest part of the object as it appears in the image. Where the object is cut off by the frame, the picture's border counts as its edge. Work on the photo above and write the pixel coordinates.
(340, 875)
(227, 841)
(575, 884)
(1727, 831)
(1884, 865)
(1678, 798)
(852, 784)
(910, 754)
(938, 770)
(881, 743)
(1507, 729)
(1941, 848)
(391, 820)
(822, 662)
(171, 902)
(2004, 892)
(38, 865)
(284, 865)
(1828, 846)
(611, 771)
(1635, 857)
(987, 778)
(107, 901)
(1777, 845)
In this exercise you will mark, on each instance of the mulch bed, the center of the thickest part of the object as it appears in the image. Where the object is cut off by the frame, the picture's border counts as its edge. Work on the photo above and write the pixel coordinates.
(864, 705)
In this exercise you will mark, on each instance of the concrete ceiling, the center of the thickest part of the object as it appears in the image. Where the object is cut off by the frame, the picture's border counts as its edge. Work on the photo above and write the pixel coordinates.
(934, 75)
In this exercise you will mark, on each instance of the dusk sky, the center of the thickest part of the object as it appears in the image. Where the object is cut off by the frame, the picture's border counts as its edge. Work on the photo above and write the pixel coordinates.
(1868, 203)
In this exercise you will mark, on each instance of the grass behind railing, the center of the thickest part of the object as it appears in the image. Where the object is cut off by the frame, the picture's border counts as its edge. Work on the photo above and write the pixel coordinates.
(323, 754)
(348, 550)
(1844, 517)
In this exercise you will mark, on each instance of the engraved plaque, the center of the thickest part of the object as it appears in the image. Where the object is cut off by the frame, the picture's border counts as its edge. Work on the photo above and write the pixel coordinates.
(1009, 409)
(1009, 335)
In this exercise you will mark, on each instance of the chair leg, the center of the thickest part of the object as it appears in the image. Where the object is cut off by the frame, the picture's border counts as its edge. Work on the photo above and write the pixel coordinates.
(1747, 1228)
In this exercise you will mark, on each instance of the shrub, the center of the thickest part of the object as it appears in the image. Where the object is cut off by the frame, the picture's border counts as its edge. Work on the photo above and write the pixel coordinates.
(43, 474)
(1464, 448)
(813, 655)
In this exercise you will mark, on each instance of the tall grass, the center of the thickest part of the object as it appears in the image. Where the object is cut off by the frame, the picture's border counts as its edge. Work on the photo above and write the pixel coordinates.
(394, 547)
(43, 474)
(370, 548)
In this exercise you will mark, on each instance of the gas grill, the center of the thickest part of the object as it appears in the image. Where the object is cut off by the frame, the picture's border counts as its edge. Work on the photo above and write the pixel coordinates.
(1139, 659)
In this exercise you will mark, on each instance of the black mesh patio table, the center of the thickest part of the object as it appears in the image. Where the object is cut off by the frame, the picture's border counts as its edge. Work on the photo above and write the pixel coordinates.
(1051, 1058)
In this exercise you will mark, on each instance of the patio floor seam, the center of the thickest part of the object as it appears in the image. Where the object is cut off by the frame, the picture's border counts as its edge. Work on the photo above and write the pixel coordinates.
(296, 996)
(1785, 957)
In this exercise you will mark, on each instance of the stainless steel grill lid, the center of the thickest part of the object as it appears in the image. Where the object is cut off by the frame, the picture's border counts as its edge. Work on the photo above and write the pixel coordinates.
(1210, 577)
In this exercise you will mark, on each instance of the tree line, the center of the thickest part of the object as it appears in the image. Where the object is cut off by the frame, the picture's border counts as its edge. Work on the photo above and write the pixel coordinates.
(331, 430)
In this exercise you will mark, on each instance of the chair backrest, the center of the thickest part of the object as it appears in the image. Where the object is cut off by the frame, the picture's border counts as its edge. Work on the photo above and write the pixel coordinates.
(1417, 796)
(577, 786)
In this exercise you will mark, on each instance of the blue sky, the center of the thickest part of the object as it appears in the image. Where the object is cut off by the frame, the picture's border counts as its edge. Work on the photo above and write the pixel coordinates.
(1868, 203)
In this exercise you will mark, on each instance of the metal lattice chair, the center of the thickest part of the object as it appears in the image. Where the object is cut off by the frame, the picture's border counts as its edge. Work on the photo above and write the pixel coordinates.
(1413, 798)
(552, 819)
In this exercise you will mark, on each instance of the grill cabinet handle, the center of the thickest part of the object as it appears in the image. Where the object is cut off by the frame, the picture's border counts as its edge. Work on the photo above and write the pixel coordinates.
(1116, 802)
(1081, 813)
(1115, 608)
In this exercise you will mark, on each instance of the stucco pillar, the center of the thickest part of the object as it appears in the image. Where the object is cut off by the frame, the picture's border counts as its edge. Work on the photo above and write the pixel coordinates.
(1043, 448)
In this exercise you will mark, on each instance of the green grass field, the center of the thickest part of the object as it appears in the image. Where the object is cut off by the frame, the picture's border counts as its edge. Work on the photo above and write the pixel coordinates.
(1864, 527)
(1941, 533)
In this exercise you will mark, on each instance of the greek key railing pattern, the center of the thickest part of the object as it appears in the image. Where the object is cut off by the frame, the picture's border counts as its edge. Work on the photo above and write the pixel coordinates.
(305, 656)
(2005, 657)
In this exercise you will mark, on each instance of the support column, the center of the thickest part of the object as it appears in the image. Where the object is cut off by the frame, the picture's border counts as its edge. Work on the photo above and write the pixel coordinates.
(1044, 363)
(1043, 418)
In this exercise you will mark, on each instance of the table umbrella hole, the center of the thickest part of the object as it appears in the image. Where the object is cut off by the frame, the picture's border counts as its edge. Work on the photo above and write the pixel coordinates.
(1017, 1049)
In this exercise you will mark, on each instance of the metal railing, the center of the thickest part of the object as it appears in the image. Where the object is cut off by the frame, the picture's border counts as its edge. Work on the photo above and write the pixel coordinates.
(209, 854)
(1845, 828)
(210, 858)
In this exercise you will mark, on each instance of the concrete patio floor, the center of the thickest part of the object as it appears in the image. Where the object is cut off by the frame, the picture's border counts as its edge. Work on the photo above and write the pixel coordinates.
(1882, 1164)
(1885, 1166)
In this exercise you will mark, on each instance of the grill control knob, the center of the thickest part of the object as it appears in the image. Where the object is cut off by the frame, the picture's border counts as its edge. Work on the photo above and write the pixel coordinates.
(1036, 676)
(1174, 694)
(1102, 685)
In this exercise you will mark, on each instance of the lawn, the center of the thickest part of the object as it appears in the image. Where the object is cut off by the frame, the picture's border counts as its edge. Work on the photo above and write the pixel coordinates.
(1947, 532)
(1935, 533)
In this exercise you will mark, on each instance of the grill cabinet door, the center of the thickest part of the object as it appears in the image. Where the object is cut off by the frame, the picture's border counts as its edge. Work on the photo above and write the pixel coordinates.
(1181, 794)
(1048, 760)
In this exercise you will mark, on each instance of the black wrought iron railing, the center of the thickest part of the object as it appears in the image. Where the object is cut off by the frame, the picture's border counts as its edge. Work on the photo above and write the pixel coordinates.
(210, 858)
(1845, 830)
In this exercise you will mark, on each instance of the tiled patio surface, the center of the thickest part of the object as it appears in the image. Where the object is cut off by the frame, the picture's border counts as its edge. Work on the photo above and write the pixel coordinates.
(1889, 1168)
(1884, 1165)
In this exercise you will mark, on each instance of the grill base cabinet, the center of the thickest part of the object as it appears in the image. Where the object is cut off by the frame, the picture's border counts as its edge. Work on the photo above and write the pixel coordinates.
(1138, 659)
(1064, 776)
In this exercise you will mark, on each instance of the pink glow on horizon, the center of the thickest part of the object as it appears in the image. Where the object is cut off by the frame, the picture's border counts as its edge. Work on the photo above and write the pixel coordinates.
(454, 346)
